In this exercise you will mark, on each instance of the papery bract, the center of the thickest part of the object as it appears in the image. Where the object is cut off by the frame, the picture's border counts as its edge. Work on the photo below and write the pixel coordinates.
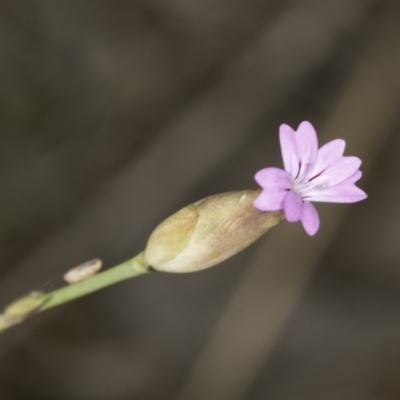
(208, 232)
(310, 175)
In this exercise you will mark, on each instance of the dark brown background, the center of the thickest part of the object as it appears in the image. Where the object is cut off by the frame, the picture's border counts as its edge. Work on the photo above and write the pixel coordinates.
(114, 114)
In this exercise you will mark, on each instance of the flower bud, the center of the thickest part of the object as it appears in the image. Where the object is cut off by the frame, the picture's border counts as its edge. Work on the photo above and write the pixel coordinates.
(208, 232)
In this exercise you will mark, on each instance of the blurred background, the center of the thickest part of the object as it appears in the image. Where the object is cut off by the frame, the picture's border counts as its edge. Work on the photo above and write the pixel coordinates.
(114, 114)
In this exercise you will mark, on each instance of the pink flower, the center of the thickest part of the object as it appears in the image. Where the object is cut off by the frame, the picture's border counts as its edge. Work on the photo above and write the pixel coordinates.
(310, 175)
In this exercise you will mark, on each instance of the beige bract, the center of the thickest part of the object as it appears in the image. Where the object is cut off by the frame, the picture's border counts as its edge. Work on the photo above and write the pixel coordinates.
(83, 271)
(207, 232)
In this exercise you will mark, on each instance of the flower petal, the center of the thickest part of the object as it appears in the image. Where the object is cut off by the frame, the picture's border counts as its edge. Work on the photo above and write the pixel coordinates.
(288, 150)
(270, 178)
(275, 182)
(342, 193)
(353, 178)
(337, 173)
(307, 147)
(270, 200)
(293, 206)
(327, 155)
(310, 218)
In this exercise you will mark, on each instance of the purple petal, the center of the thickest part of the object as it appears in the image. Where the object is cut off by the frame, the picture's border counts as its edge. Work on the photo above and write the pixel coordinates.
(270, 178)
(270, 200)
(328, 155)
(288, 149)
(293, 206)
(353, 178)
(339, 172)
(342, 193)
(310, 219)
(307, 147)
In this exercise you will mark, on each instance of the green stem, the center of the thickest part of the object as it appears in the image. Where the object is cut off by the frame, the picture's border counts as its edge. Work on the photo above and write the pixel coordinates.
(129, 269)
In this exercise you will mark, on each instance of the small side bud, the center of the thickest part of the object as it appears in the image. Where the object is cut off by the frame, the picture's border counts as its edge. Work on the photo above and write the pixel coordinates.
(208, 232)
(83, 271)
(24, 307)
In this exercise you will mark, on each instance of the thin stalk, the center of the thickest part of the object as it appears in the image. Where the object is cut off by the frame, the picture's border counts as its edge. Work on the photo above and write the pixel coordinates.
(128, 269)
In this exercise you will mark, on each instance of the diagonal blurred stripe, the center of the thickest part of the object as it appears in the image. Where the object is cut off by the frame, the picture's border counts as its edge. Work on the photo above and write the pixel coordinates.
(265, 298)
